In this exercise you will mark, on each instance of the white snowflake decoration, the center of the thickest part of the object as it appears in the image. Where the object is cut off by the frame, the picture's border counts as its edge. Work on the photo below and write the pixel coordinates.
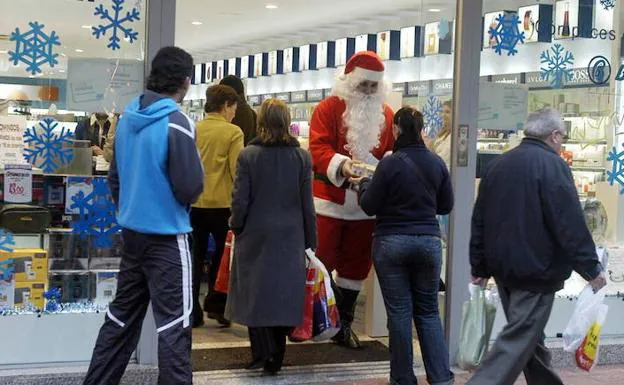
(6, 241)
(48, 152)
(616, 174)
(97, 214)
(507, 34)
(116, 23)
(432, 112)
(558, 67)
(607, 4)
(34, 48)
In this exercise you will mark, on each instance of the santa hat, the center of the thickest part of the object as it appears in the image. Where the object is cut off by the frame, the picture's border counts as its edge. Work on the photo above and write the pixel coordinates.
(365, 65)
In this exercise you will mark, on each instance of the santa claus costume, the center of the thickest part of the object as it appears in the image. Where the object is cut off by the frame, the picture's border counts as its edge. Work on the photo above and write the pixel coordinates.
(354, 123)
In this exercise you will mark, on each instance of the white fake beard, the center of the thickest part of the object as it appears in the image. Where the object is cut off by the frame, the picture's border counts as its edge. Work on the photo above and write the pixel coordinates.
(364, 117)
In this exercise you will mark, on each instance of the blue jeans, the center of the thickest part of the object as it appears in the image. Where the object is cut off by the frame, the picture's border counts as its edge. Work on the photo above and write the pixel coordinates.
(408, 268)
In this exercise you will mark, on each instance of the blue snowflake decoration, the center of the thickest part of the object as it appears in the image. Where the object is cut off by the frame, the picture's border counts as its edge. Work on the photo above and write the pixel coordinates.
(97, 214)
(616, 174)
(53, 299)
(607, 4)
(6, 241)
(116, 23)
(558, 65)
(34, 48)
(507, 34)
(48, 152)
(432, 112)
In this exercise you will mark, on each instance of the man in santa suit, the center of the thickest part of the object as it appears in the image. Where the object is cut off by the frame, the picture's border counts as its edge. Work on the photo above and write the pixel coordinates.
(351, 127)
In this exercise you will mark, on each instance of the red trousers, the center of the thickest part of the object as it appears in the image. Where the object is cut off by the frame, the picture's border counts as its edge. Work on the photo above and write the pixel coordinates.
(345, 246)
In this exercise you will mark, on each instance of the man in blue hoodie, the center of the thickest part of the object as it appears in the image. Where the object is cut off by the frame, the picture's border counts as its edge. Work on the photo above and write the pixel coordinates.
(155, 175)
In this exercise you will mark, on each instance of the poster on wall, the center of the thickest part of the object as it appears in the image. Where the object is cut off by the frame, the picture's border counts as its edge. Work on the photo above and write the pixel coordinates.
(231, 70)
(304, 58)
(220, 70)
(321, 55)
(12, 139)
(566, 18)
(244, 71)
(383, 45)
(528, 17)
(341, 52)
(272, 62)
(99, 85)
(408, 42)
(258, 65)
(198, 74)
(208, 74)
(502, 106)
(489, 21)
(288, 60)
(361, 43)
(432, 38)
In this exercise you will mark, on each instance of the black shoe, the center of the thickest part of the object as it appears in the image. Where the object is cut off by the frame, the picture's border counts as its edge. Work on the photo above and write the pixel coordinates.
(257, 363)
(347, 338)
(272, 367)
(198, 322)
(220, 319)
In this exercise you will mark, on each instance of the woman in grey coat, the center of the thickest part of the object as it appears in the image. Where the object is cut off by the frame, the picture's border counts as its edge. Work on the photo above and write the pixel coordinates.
(274, 221)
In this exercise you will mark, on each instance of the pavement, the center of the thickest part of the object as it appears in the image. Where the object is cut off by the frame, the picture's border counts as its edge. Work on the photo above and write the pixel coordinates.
(601, 375)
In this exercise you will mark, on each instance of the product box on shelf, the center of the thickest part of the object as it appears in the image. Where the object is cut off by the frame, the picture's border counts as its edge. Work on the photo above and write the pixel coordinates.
(30, 265)
(107, 258)
(68, 251)
(30, 292)
(75, 287)
(106, 287)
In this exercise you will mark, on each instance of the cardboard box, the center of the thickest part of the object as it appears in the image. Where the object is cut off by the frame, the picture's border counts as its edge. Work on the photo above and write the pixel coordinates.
(30, 265)
(30, 292)
(74, 287)
(106, 288)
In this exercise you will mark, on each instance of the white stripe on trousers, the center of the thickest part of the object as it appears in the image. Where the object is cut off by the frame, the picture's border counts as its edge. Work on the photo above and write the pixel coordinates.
(187, 288)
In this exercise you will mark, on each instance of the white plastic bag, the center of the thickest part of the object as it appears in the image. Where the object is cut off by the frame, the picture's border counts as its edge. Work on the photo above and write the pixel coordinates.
(478, 316)
(326, 322)
(587, 353)
(589, 306)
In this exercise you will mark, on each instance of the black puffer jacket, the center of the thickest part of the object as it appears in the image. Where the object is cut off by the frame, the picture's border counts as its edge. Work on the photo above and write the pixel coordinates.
(528, 228)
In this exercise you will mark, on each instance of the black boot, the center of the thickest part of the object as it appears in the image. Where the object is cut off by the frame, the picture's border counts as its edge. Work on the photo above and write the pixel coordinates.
(346, 300)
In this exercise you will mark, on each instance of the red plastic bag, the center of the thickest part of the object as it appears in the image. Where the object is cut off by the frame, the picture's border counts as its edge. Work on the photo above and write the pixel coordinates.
(223, 276)
(303, 332)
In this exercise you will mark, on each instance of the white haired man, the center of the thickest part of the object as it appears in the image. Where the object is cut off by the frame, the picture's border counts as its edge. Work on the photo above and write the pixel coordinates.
(352, 126)
(529, 233)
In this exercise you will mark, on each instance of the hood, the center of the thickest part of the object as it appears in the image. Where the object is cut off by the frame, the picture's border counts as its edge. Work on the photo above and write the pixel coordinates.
(138, 117)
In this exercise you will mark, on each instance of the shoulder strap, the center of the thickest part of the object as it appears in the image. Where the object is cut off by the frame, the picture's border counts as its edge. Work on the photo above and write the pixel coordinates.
(414, 167)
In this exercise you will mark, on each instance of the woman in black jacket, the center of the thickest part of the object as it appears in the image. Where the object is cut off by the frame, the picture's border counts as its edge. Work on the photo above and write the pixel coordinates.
(407, 191)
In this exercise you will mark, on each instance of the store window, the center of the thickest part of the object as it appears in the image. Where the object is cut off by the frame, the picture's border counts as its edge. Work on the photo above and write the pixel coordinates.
(67, 69)
(564, 55)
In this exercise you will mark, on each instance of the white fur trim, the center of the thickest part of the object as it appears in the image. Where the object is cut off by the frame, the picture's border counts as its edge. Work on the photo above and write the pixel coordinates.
(350, 211)
(349, 284)
(333, 172)
(364, 74)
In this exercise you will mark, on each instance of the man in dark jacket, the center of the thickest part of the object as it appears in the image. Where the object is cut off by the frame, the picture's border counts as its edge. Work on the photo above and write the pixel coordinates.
(529, 233)
(155, 175)
(245, 117)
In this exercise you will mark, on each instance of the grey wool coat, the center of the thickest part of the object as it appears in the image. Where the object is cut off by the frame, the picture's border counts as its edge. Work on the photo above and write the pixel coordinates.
(274, 221)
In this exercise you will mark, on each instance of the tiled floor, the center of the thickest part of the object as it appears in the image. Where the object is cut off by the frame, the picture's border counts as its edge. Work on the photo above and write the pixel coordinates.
(602, 375)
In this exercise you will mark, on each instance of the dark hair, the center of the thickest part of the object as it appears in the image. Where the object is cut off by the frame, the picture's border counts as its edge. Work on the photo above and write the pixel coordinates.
(411, 123)
(170, 69)
(235, 83)
(274, 122)
(218, 97)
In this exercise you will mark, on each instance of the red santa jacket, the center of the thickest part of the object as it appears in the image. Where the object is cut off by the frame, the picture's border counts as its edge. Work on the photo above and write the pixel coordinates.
(327, 146)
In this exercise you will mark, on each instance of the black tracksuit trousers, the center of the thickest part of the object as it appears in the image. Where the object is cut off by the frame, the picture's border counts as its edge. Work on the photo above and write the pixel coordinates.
(154, 268)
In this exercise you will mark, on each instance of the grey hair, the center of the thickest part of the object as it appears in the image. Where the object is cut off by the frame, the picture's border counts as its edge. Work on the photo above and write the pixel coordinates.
(541, 123)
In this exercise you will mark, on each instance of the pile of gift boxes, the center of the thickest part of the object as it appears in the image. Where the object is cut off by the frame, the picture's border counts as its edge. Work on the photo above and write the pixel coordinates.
(81, 272)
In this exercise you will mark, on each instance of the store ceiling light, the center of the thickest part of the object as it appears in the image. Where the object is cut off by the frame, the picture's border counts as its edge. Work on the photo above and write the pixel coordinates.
(435, 10)
(79, 50)
(197, 23)
(271, 6)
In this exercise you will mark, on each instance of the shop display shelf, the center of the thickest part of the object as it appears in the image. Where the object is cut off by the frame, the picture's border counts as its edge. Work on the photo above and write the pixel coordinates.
(588, 169)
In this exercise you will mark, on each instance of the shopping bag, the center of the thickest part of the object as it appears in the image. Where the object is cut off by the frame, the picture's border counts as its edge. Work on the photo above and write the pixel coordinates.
(223, 275)
(478, 315)
(326, 319)
(588, 306)
(587, 353)
(304, 331)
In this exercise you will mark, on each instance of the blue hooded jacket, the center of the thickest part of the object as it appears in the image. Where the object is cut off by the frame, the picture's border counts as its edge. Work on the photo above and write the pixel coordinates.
(156, 172)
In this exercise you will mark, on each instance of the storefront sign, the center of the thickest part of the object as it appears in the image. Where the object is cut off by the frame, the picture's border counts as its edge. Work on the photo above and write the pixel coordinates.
(399, 87)
(266, 97)
(442, 87)
(418, 88)
(315, 95)
(12, 139)
(507, 79)
(254, 100)
(284, 97)
(99, 85)
(298, 97)
(580, 77)
(17, 183)
(599, 70)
